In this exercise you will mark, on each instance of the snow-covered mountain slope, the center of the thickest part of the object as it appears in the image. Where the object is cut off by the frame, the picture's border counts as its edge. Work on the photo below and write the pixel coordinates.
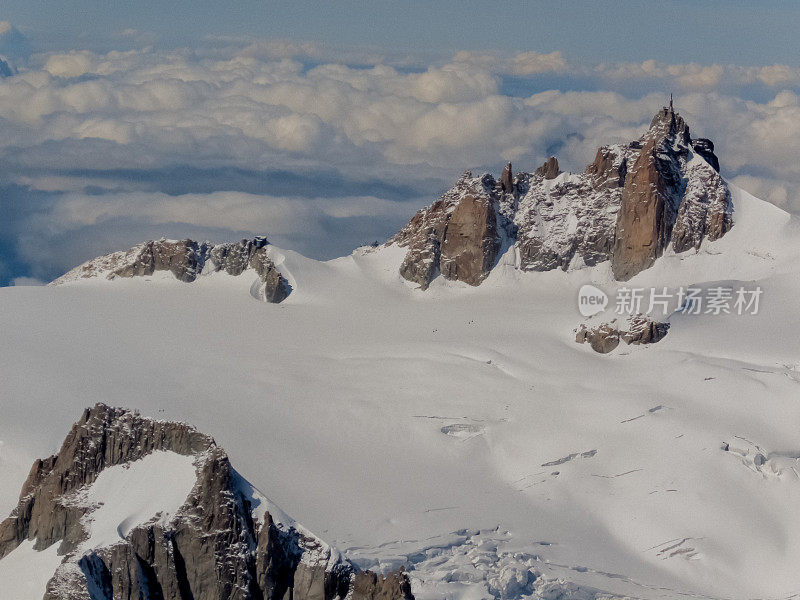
(25, 571)
(461, 431)
(132, 507)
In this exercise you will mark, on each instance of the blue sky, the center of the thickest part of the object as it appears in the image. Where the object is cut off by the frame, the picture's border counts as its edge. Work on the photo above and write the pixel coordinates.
(326, 126)
(707, 31)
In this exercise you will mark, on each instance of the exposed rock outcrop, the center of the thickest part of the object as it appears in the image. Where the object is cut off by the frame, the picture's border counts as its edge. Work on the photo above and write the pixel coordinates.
(183, 258)
(610, 165)
(705, 212)
(234, 258)
(371, 586)
(637, 329)
(471, 241)
(549, 170)
(5, 69)
(603, 339)
(651, 196)
(274, 287)
(187, 260)
(641, 329)
(629, 205)
(705, 148)
(225, 542)
(507, 180)
(457, 235)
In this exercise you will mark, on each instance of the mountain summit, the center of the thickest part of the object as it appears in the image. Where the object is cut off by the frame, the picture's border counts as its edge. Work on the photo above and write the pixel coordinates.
(630, 205)
(633, 203)
(132, 507)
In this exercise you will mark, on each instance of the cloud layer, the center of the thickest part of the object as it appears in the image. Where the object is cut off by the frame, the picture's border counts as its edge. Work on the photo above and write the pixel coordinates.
(325, 149)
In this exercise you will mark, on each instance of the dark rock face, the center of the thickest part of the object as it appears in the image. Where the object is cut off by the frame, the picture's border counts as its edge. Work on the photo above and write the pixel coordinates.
(423, 237)
(234, 258)
(669, 197)
(508, 202)
(705, 148)
(5, 69)
(274, 286)
(186, 260)
(215, 548)
(103, 437)
(507, 180)
(371, 586)
(638, 329)
(628, 206)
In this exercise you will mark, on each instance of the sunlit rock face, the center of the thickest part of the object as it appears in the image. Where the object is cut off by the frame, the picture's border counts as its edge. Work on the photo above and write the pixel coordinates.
(630, 205)
(456, 236)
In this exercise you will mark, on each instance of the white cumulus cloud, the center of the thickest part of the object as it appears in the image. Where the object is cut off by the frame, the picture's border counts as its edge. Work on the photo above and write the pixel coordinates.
(269, 137)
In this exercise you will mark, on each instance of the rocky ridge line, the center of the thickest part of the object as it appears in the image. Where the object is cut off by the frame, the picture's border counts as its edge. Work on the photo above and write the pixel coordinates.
(187, 260)
(217, 547)
(630, 205)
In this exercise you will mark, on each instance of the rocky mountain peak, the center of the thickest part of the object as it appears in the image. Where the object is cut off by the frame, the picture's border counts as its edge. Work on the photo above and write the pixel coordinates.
(667, 123)
(630, 205)
(225, 542)
(549, 170)
(670, 196)
(507, 180)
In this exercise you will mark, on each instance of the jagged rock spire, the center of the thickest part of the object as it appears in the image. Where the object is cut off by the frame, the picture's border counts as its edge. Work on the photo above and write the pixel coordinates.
(629, 205)
(666, 198)
(549, 170)
(507, 180)
(651, 196)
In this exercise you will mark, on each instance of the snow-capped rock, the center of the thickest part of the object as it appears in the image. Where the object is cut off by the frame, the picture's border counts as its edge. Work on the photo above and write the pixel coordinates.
(187, 260)
(637, 329)
(628, 205)
(549, 170)
(141, 508)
